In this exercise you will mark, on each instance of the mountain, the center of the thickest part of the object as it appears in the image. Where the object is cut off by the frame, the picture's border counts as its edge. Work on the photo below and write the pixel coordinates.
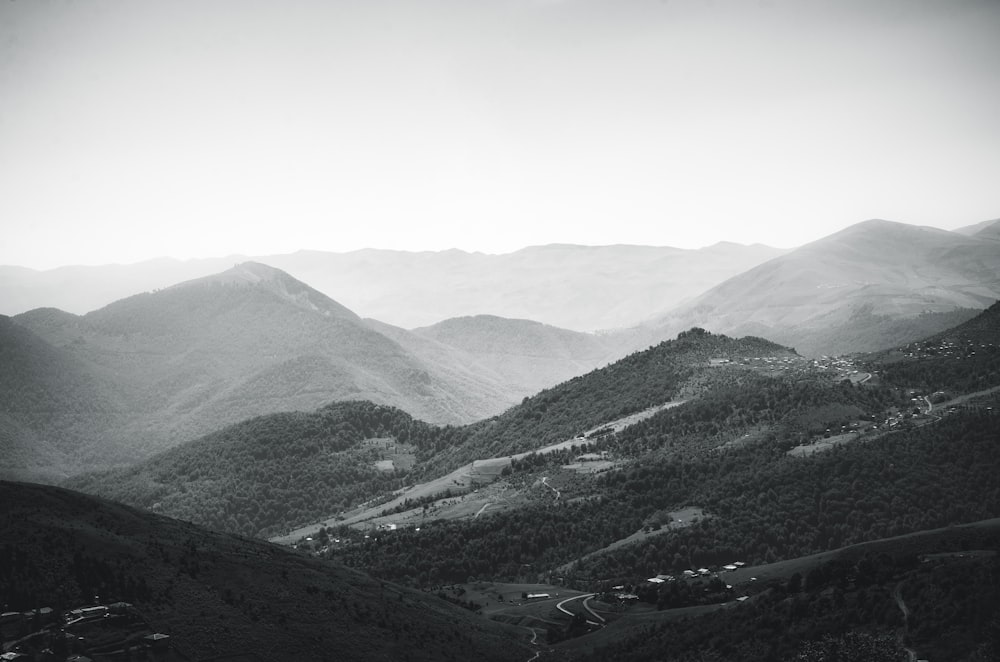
(873, 285)
(191, 358)
(52, 403)
(977, 227)
(577, 287)
(526, 355)
(81, 289)
(217, 596)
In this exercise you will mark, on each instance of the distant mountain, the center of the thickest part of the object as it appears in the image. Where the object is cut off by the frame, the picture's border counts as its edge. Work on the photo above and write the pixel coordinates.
(526, 355)
(219, 596)
(977, 227)
(191, 358)
(576, 287)
(81, 289)
(873, 285)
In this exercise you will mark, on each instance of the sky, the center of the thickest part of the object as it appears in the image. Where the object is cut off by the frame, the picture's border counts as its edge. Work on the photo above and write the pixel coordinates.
(132, 129)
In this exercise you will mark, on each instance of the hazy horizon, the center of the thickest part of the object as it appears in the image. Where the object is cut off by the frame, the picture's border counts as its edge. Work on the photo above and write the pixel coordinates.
(134, 130)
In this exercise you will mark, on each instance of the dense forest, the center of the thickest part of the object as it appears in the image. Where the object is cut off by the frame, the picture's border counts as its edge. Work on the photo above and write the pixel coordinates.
(762, 505)
(263, 475)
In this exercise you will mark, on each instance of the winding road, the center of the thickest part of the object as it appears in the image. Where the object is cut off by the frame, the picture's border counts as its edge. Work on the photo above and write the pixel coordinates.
(586, 597)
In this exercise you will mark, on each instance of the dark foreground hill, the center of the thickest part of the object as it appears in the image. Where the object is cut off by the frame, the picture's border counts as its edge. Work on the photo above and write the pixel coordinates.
(220, 595)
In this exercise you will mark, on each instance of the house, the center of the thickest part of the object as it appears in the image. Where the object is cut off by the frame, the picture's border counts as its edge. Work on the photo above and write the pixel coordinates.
(538, 596)
(655, 580)
(730, 567)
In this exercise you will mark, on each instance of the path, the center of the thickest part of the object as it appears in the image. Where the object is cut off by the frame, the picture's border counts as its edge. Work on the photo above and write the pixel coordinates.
(897, 594)
(545, 482)
(534, 641)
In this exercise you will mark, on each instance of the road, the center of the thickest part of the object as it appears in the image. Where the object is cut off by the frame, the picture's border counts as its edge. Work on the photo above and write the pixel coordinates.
(585, 597)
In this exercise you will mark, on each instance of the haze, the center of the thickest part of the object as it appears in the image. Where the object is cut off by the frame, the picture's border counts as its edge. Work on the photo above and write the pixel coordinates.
(130, 130)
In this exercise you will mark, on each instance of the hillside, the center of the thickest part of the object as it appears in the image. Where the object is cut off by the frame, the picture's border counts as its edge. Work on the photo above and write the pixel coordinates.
(873, 285)
(191, 358)
(261, 476)
(53, 403)
(576, 287)
(272, 473)
(219, 595)
(959, 360)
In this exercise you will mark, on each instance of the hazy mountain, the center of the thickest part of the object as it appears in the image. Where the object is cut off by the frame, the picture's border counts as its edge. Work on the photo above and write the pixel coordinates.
(220, 596)
(976, 227)
(251, 340)
(527, 356)
(875, 284)
(81, 289)
(576, 287)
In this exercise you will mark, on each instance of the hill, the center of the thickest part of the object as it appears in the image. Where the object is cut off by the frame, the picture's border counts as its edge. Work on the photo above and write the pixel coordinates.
(272, 473)
(577, 287)
(873, 285)
(960, 360)
(191, 358)
(53, 403)
(261, 476)
(217, 595)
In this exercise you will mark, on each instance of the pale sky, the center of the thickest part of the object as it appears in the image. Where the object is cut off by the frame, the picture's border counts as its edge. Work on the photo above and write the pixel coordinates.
(194, 128)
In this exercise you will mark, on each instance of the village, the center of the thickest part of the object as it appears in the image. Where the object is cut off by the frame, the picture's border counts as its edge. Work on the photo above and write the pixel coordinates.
(113, 632)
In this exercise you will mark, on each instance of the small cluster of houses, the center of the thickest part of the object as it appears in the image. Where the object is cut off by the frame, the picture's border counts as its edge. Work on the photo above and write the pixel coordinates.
(87, 634)
(700, 572)
(946, 348)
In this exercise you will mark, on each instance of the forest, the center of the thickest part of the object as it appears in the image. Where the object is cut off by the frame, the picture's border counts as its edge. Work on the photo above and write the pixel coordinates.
(761, 504)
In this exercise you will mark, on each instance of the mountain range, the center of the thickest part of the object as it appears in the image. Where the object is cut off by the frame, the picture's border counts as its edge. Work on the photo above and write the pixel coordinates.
(583, 288)
(150, 371)
(707, 497)
(870, 286)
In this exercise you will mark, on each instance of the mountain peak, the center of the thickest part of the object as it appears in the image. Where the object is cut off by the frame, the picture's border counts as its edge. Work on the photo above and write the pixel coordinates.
(277, 282)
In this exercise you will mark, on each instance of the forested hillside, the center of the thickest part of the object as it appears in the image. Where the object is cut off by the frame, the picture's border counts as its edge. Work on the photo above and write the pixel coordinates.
(218, 596)
(641, 380)
(960, 360)
(760, 503)
(270, 473)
